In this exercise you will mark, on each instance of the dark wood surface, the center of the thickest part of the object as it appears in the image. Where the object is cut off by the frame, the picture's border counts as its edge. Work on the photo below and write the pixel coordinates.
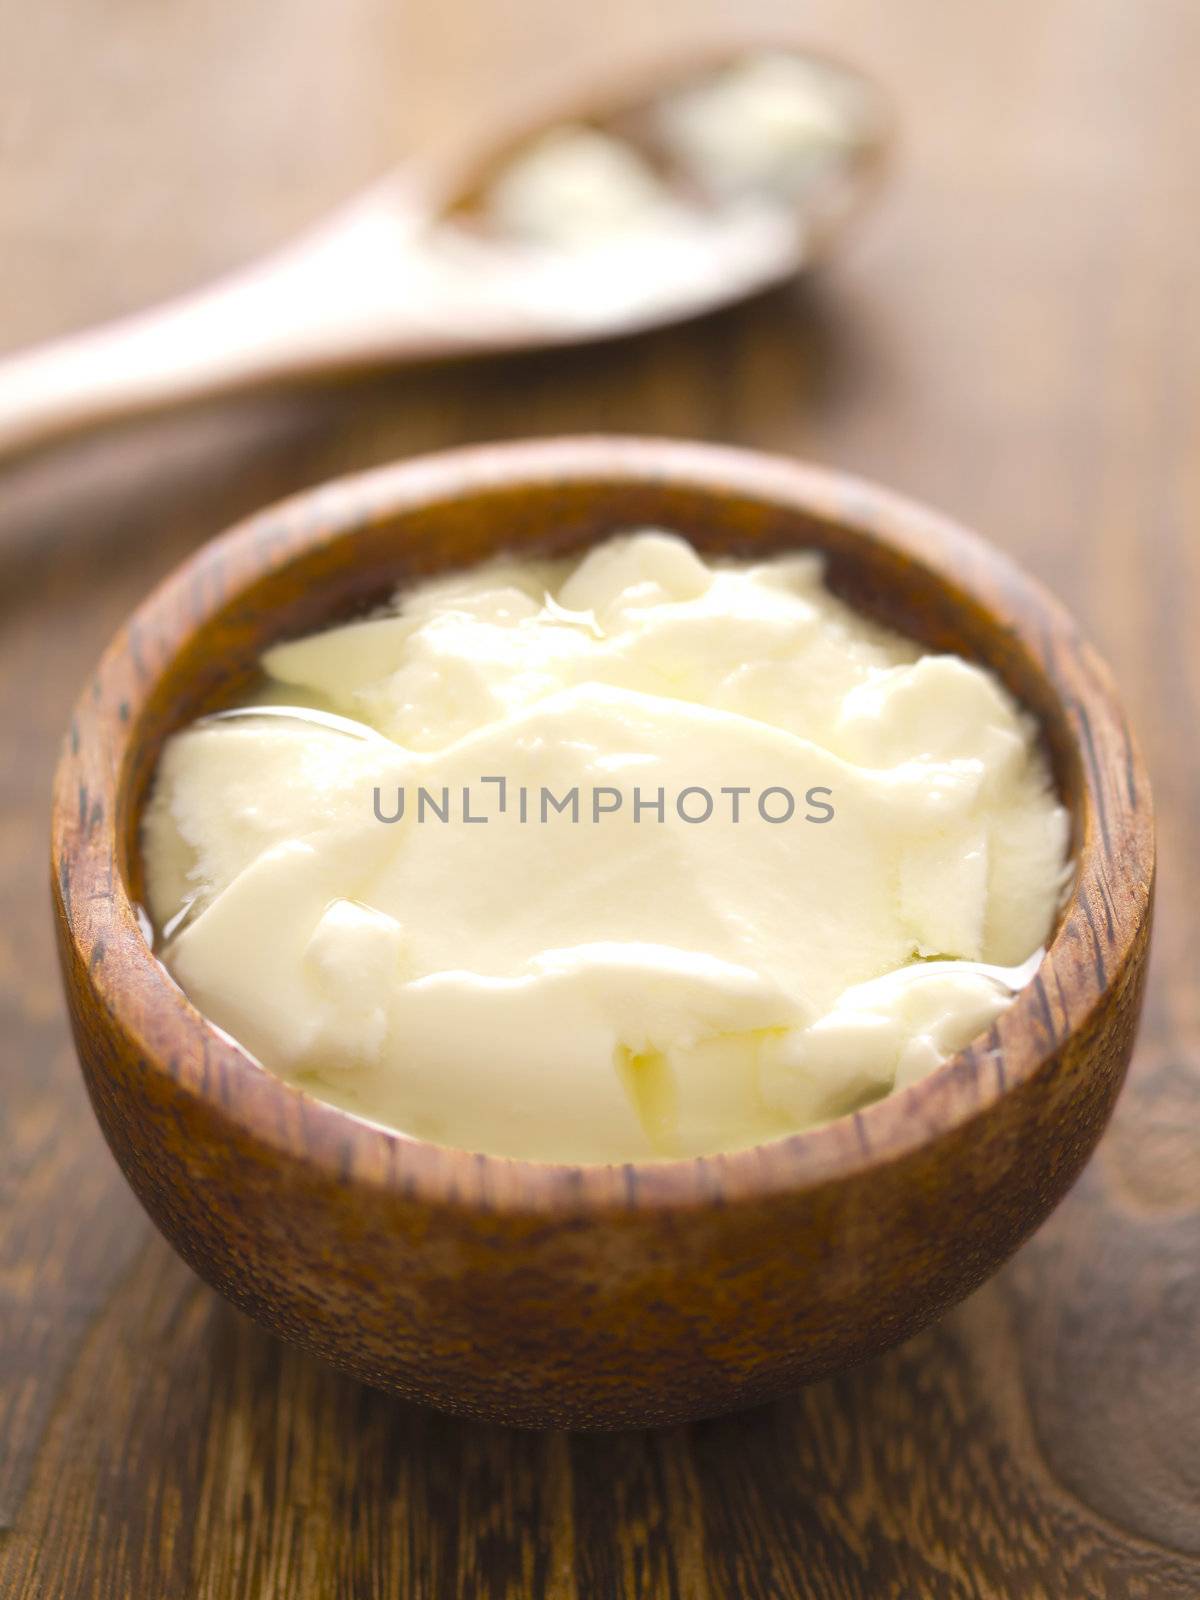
(1015, 335)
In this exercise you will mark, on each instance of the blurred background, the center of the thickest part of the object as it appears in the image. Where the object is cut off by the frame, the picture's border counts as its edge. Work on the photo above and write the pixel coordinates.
(1012, 333)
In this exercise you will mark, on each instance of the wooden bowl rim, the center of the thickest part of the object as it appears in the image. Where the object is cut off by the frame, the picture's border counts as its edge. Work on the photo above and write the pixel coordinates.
(174, 1041)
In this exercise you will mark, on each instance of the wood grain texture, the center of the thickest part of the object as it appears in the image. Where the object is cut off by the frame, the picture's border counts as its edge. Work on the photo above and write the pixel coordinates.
(1015, 337)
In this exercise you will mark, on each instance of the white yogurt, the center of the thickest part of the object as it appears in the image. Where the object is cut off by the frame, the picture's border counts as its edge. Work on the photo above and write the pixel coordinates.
(690, 856)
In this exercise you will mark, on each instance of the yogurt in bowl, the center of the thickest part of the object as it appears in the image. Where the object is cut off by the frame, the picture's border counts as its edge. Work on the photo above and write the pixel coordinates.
(629, 856)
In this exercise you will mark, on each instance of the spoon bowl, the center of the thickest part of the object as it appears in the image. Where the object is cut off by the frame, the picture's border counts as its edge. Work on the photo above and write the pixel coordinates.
(718, 249)
(593, 1296)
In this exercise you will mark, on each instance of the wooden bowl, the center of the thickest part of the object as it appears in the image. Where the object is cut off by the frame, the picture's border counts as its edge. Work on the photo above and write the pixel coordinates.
(602, 1296)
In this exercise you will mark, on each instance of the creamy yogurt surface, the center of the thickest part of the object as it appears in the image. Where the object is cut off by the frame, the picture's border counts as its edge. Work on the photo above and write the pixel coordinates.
(623, 856)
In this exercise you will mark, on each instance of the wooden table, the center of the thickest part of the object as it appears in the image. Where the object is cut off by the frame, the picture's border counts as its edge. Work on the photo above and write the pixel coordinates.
(1015, 336)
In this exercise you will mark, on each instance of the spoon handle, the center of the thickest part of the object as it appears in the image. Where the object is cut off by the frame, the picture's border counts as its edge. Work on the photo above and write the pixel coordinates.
(335, 298)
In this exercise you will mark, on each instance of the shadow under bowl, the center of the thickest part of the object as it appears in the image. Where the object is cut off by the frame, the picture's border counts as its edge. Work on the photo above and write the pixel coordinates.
(598, 1296)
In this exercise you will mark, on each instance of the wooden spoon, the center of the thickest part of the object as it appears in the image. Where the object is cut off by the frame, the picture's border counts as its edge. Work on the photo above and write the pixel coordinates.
(417, 268)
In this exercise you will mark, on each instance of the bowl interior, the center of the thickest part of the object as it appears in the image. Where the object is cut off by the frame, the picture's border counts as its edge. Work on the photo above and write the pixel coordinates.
(328, 559)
